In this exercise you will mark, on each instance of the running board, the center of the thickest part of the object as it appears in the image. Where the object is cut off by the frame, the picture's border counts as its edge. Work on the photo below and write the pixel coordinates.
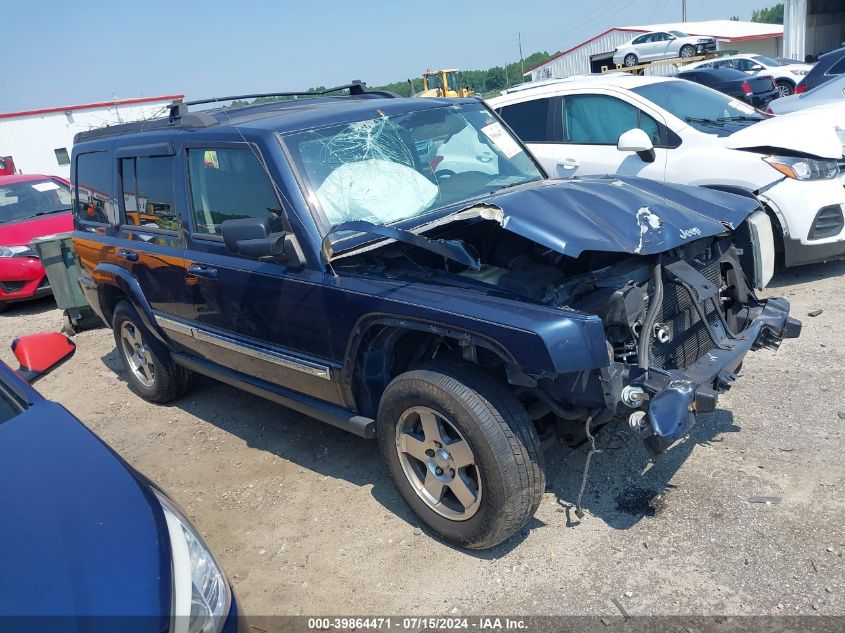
(318, 409)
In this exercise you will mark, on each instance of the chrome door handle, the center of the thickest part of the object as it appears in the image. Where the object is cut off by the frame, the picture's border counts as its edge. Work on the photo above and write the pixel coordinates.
(131, 256)
(200, 270)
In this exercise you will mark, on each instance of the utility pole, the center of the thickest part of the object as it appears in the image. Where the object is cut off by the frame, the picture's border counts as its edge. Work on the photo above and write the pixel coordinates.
(683, 10)
(521, 60)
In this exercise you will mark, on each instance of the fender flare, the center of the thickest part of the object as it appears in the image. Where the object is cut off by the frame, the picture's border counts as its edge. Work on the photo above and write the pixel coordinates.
(367, 322)
(125, 281)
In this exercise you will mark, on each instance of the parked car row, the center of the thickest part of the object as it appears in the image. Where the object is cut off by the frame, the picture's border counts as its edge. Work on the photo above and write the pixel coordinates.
(678, 131)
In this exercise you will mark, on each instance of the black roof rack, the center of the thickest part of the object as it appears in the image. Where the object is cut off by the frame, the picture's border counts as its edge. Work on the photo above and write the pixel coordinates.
(179, 108)
(180, 116)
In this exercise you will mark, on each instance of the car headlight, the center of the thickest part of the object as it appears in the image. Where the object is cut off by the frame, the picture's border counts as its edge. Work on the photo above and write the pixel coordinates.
(798, 72)
(201, 594)
(17, 251)
(804, 168)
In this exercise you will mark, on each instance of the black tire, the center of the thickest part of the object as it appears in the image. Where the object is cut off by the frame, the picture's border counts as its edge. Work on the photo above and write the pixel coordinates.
(686, 51)
(169, 381)
(630, 60)
(785, 88)
(500, 434)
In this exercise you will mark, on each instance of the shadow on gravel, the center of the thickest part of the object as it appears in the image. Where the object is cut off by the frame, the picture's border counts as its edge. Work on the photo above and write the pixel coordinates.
(803, 274)
(30, 308)
(617, 491)
(301, 440)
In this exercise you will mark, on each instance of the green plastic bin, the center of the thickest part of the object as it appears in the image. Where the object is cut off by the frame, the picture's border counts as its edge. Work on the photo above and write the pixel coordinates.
(59, 260)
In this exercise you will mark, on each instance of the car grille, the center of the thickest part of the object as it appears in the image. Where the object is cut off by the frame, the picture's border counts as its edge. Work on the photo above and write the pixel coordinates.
(690, 340)
(12, 286)
(828, 222)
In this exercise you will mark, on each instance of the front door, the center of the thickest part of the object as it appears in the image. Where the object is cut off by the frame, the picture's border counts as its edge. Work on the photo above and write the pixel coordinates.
(258, 318)
(584, 137)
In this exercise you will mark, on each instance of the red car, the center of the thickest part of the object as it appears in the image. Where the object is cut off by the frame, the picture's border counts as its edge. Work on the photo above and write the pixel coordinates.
(30, 206)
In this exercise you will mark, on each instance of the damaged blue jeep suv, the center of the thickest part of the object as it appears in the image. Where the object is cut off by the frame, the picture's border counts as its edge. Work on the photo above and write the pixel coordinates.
(405, 270)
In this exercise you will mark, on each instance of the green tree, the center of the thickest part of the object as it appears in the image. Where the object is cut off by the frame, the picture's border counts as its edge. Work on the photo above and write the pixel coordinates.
(771, 15)
(496, 79)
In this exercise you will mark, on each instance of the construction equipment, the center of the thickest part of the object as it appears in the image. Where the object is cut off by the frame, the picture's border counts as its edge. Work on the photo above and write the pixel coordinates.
(443, 83)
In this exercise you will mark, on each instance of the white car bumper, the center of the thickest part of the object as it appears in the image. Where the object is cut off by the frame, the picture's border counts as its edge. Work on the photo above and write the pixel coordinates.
(813, 218)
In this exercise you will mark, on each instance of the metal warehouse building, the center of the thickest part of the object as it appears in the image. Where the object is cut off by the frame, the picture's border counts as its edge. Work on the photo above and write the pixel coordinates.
(591, 55)
(39, 141)
(812, 27)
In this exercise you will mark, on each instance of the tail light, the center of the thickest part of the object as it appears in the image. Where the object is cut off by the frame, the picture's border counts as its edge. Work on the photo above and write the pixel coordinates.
(746, 88)
(800, 88)
(770, 111)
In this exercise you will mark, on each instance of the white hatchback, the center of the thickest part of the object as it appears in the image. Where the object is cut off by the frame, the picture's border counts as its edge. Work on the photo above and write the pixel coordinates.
(682, 132)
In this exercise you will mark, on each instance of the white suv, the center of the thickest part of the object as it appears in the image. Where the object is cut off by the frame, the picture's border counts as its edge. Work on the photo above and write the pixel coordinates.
(786, 76)
(682, 132)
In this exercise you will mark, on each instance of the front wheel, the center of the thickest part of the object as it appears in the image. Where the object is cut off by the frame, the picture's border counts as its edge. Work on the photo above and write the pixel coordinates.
(149, 368)
(462, 452)
(687, 51)
(630, 60)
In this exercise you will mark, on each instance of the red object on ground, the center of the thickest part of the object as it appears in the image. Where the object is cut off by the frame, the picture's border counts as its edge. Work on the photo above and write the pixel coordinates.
(39, 352)
(23, 277)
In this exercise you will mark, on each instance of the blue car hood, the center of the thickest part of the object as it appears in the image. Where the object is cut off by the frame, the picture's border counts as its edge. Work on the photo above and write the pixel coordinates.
(80, 532)
(617, 214)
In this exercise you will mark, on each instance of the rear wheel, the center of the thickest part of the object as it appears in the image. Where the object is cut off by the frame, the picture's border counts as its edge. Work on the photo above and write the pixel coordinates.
(462, 452)
(687, 51)
(784, 88)
(149, 368)
(630, 60)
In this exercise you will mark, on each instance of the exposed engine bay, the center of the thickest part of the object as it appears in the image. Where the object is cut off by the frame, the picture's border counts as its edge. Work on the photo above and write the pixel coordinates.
(661, 315)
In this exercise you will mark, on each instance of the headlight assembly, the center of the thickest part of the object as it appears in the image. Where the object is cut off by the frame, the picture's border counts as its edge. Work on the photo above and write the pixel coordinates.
(804, 168)
(201, 594)
(17, 251)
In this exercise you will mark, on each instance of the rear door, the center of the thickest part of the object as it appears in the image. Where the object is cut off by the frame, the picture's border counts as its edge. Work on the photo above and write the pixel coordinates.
(150, 242)
(260, 318)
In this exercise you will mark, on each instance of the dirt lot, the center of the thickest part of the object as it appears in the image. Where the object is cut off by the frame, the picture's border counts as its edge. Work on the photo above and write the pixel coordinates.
(305, 521)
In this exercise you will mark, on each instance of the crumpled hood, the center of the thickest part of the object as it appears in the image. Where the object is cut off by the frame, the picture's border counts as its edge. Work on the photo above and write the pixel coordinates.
(618, 214)
(807, 136)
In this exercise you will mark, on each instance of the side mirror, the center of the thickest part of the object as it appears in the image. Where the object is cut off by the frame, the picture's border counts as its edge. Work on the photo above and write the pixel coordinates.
(636, 140)
(251, 237)
(38, 354)
(756, 67)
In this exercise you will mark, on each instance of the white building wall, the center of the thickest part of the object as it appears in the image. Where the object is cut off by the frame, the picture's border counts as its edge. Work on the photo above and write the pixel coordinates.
(32, 140)
(577, 62)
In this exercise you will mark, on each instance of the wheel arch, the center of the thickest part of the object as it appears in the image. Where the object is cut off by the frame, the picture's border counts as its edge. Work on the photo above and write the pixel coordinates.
(114, 284)
(383, 346)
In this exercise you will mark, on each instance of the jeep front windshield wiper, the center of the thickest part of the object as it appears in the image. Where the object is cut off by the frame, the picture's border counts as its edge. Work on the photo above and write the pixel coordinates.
(455, 250)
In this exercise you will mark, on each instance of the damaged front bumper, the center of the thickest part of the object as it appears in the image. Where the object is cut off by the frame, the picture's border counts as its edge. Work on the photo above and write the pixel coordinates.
(674, 397)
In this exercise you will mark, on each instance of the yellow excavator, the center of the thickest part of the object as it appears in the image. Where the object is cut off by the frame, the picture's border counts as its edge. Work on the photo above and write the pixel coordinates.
(443, 83)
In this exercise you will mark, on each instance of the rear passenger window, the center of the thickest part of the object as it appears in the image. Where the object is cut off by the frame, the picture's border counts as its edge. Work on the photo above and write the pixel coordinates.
(229, 184)
(838, 68)
(528, 119)
(148, 192)
(95, 199)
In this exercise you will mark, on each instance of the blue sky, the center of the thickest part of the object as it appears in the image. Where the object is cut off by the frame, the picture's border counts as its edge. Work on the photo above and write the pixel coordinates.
(63, 53)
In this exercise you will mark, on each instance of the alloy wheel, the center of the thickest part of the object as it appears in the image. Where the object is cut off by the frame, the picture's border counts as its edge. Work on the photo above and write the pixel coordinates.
(137, 354)
(438, 463)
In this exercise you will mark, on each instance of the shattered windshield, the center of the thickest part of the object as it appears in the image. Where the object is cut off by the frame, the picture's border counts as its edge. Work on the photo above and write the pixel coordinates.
(393, 168)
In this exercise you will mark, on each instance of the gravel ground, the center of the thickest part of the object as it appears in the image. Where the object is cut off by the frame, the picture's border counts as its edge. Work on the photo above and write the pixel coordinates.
(304, 520)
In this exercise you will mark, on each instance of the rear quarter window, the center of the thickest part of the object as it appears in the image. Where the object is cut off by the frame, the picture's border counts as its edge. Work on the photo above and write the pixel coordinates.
(94, 189)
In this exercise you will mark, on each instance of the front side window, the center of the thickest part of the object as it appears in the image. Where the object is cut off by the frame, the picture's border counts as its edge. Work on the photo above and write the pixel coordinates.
(601, 120)
(33, 198)
(148, 192)
(528, 119)
(95, 197)
(393, 168)
(704, 109)
(229, 184)
(767, 61)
